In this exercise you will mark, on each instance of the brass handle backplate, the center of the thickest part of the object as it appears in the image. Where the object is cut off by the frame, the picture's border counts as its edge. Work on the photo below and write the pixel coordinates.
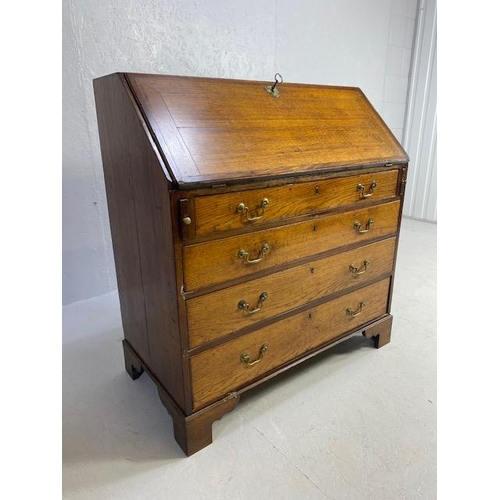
(350, 312)
(361, 189)
(243, 304)
(368, 226)
(243, 209)
(245, 358)
(243, 254)
(359, 270)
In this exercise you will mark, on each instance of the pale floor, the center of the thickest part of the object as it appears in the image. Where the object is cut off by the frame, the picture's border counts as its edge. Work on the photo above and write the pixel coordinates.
(352, 423)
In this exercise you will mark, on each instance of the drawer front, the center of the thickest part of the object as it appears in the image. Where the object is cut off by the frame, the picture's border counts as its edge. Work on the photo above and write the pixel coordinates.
(214, 213)
(222, 369)
(222, 312)
(218, 261)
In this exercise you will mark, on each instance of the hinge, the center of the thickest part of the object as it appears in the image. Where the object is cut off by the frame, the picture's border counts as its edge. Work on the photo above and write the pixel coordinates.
(402, 187)
(402, 181)
(185, 218)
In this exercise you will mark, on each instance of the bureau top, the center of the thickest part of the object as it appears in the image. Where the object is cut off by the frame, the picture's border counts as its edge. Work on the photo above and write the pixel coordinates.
(213, 131)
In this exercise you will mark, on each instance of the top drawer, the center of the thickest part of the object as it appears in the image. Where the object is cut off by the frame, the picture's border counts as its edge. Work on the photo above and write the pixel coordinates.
(222, 212)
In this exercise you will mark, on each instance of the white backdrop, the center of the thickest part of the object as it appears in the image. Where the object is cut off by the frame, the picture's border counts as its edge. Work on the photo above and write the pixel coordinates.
(420, 138)
(363, 43)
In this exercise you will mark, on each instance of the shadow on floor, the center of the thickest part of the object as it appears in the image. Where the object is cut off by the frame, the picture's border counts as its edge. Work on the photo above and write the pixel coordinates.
(332, 359)
(107, 415)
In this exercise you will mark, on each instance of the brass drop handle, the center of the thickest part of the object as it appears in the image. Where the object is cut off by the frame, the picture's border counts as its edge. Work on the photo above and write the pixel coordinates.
(243, 254)
(368, 226)
(243, 304)
(350, 312)
(359, 270)
(243, 209)
(361, 189)
(246, 358)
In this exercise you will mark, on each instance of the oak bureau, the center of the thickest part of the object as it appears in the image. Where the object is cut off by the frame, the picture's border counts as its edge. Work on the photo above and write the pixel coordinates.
(254, 225)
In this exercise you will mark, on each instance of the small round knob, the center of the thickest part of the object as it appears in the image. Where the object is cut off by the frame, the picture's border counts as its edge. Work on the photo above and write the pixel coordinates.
(186, 220)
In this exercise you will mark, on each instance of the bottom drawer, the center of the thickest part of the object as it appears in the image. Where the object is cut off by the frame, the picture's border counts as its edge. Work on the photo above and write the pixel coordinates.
(232, 365)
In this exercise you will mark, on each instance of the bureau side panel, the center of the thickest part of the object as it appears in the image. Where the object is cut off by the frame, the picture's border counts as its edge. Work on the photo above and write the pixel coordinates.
(139, 198)
(115, 152)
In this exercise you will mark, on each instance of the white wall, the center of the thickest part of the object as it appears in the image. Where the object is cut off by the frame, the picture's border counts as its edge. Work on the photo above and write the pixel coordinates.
(337, 42)
(420, 138)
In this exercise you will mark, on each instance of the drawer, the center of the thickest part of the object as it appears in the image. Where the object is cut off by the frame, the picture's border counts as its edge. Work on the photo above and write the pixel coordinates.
(215, 213)
(222, 312)
(218, 261)
(230, 366)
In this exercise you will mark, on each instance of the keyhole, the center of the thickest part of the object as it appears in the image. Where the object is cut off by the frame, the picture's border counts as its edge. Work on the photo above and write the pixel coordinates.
(309, 316)
(316, 190)
(314, 228)
(312, 270)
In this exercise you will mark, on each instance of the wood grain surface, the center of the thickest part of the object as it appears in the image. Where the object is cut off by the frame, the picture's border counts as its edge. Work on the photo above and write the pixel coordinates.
(218, 261)
(217, 371)
(139, 202)
(112, 106)
(233, 130)
(219, 212)
(217, 314)
(180, 154)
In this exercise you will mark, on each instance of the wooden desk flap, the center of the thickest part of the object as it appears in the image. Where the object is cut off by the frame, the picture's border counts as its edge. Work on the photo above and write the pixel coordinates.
(212, 131)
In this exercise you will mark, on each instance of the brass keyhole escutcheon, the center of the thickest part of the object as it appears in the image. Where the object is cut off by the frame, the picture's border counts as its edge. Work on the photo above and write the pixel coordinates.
(273, 90)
